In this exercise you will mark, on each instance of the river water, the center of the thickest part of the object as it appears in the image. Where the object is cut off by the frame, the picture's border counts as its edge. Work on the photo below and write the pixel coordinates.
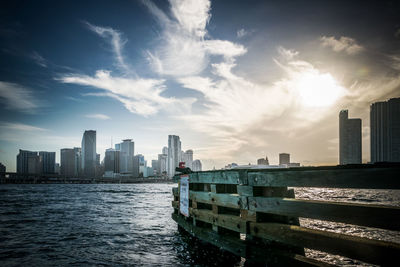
(125, 224)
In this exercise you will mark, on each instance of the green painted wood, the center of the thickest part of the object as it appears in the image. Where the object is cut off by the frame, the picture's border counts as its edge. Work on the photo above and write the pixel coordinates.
(361, 178)
(218, 177)
(245, 190)
(385, 217)
(230, 222)
(244, 249)
(225, 200)
(175, 191)
(364, 249)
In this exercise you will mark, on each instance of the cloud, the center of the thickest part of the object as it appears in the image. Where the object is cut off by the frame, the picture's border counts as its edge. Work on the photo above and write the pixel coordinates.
(241, 33)
(287, 54)
(97, 116)
(20, 127)
(140, 96)
(184, 49)
(18, 97)
(41, 61)
(346, 44)
(116, 40)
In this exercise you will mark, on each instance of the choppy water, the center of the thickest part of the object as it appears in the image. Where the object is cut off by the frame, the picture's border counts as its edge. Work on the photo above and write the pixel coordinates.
(123, 224)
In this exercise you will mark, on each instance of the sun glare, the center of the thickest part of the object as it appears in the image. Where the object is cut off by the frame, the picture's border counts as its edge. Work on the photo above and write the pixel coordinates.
(318, 90)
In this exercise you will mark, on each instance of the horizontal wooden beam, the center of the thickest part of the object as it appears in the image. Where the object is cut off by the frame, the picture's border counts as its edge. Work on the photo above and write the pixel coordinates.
(225, 200)
(361, 178)
(219, 177)
(231, 222)
(385, 217)
(367, 250)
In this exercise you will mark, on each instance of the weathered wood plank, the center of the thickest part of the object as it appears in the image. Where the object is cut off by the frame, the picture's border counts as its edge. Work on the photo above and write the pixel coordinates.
(175, 191)
(353, 213)
(361, 178)
(368, 250)
(225, 200)
(230, 222)
(218, 177)
(175, 204)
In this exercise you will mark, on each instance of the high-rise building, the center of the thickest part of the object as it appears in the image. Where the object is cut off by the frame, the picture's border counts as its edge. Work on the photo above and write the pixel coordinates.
(284, 159)
(47, 161)
(111, 162)
(28, 162)
(263, 161)
(165, 150)
(138, 165)
(174, 154)
(385, 131)
(162, 164)
(154, 165)
(127, 148)
(89, 153)
(2, 169)
(188, 158)
(197, 165)
(78, 161)
(57, 168)
(349, 139)
(70, 161)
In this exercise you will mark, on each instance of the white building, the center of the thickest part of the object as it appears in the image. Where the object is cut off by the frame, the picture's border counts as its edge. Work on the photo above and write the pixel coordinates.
(127, 149)
(174, 154)
(162, 164)
(188, 158)
(196, 165)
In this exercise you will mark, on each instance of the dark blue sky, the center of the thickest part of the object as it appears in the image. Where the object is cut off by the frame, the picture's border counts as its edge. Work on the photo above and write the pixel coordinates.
(237, 80)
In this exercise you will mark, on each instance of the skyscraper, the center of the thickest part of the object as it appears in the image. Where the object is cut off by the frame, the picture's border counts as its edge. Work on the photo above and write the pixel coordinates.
(28, 162)
(174, 154)
(47, 161)
(284, 159)
(162, 164)
(67, 162)
(89, 153)
(188, 158)
(349, 139)
(138, 165)
(111, 162)
(127, 148)
(385, 131)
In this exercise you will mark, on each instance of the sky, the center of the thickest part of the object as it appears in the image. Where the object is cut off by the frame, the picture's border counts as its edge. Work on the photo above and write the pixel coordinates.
(236, 80)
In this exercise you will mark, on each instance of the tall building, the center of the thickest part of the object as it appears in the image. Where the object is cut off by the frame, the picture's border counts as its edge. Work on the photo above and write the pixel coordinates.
(127, 148)
(78, 161)
(138, 165)
(188, 158)
(154, 165)
(263, 161)
(67, 162)
(349, 139)
(197, 165)
(112, 163)
(47, 161)
(385, 131)
(174, 154)
(284, 159)
(165, 150)
(89, 153)
(162, 164)
(28, 162)
(2, 169)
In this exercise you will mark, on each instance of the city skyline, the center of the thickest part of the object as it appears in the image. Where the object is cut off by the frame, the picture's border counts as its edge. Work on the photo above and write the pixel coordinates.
(251, 81)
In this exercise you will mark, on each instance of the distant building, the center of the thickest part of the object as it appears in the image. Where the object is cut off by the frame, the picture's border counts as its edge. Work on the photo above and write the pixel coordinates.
(111, 163)
(154, 165)
(385, 131)
(2, 169)
(57, 168)
(89, 153)
(138, 165)
(197, 166)
(127, 148)
(349, 139)
(165, 150)
(47, 161)
(188, 158)
(293, 164)
(263, 161)
(284, 159)
(174, 154)
(70, 159)
(148, 172)
(28, 162)
(162, 164)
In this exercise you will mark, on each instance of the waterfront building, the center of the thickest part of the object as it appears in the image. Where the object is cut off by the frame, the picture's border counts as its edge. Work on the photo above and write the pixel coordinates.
(112, 163)
(28, 162)
(197, 165)
(385, 131)
(349, 139)
(162, 164)
(57, 168)
(188, 158)
(174, 154)
(68, 162)
(165, 150)
(89, 153)
(78, 161)
(47, 161)
(154, 165)
(127, 148)
(263, 161)
(138, 165)
(284, 159)
(2, 169)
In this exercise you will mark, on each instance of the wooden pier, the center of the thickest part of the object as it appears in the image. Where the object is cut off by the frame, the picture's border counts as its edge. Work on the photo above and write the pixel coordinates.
(253, 214)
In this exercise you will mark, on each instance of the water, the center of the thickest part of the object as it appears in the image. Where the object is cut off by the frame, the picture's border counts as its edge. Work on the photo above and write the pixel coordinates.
(127, 224)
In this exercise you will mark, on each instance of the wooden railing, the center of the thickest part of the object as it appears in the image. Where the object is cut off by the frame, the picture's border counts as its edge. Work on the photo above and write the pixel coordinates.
(253, 214)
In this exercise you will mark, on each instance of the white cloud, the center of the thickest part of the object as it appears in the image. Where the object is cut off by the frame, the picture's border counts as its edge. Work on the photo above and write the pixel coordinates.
(241, 33)
(18, 97)
(287, 54)
(20, 127)
(41, 61)
(184, 49)
(347, 44)
(97, 116)
(140, 96)
(116, 40)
